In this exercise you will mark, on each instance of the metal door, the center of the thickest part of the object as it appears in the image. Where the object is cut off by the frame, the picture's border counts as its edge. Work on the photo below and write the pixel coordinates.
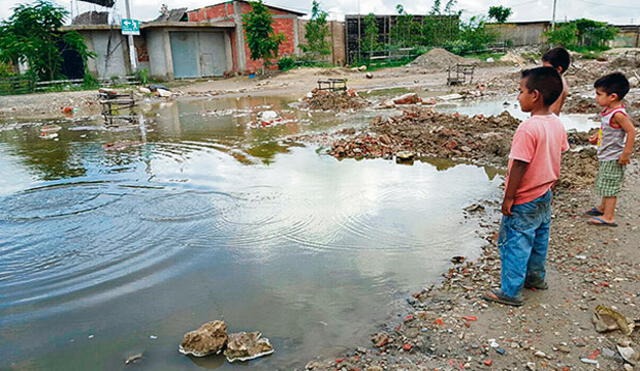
(213, 57)
(184, 50)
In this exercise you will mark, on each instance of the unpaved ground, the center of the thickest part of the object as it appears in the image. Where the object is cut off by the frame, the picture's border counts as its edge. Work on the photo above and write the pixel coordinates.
(295, 82)
(449, 326)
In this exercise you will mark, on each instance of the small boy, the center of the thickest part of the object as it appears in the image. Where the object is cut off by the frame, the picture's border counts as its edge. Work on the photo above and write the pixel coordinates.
(559, 59)
(534, 167)
(615, 141)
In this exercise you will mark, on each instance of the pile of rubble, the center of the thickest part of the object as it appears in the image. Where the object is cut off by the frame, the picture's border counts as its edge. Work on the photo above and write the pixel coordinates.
(212, 338)
(419, 132)
(327, 100)
(439, 59)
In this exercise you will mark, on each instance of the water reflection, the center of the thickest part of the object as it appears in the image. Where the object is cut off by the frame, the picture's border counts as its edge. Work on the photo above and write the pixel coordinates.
(112, 245)
(493, 106)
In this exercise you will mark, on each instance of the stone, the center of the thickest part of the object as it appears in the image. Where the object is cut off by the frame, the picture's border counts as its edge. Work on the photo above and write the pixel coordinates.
(629, 354)
(245, 346)
(209, 338)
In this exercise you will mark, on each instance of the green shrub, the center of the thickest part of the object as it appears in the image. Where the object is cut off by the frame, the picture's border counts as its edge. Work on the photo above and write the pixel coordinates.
(143, 76)
(286, 63)
(458, 47)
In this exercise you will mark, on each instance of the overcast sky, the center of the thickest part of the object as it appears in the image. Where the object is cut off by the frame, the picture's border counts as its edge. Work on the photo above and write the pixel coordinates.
(612, 11)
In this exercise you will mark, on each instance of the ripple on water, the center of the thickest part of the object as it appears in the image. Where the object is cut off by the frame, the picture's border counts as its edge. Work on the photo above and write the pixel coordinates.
(54, 256)
(57, 201)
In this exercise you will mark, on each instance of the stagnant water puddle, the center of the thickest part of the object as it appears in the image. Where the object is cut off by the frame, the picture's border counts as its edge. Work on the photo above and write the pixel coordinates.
(116, 242)
(580, 122)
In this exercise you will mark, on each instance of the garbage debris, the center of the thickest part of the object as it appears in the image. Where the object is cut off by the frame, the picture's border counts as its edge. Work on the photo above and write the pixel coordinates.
(628, 354)
(49, 131)
(132, 359)
(607, 319)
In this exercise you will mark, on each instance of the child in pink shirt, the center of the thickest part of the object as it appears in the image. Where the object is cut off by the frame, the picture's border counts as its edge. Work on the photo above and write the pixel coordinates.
(534, 167)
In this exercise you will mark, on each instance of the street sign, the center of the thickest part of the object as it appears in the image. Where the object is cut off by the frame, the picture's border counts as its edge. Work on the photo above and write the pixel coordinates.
(130, 26)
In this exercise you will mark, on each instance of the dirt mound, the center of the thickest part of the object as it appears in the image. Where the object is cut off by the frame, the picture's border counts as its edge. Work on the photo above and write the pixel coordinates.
(438, 59)
(514, 58)
(578, 169)
(334, 100)
(580, 104)
(425, 132)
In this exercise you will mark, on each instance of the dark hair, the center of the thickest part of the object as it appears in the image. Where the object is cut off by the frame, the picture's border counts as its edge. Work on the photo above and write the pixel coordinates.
(613, 83)
(558, 57)
(546, 80)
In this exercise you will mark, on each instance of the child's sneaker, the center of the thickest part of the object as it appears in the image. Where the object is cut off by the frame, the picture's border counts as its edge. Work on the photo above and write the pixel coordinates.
(536, 284)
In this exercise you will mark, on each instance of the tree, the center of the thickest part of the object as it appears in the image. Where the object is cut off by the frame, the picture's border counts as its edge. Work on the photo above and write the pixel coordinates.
(441, 25)
(582, 33)
(32, 35)
(263, 42)
(565, 35)
(369, 41)
(592, 33)
(499, 13)
(316, 33)
(405, 31)
(473, 37)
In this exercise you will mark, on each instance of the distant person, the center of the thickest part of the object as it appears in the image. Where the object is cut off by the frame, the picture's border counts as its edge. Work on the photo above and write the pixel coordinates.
(615, 140)
(559, 59)
(534, 167)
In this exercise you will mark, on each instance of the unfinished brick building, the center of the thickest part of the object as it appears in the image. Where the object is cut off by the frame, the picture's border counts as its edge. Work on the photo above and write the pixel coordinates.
(285, 21)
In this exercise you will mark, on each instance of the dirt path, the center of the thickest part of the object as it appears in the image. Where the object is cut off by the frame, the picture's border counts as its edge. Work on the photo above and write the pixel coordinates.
(295, 82)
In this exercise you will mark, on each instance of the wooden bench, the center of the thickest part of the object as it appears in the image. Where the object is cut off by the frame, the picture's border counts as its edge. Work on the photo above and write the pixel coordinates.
(459, 73)
(332, 84)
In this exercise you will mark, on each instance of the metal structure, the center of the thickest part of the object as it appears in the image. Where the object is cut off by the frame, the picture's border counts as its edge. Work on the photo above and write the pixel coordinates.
(460, 73)
(117, 107)
(107, 3)
(332, 84)
(355, 30)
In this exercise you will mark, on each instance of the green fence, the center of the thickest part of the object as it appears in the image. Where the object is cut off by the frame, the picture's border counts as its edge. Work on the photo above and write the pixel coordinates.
(16, 85)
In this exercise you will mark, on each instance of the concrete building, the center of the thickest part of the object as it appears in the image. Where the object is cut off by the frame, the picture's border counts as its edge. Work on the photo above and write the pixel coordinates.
(110, 47)
(520, 33)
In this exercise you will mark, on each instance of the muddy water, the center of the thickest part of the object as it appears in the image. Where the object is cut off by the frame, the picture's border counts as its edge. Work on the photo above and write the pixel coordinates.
(116, 242)
(493, 106)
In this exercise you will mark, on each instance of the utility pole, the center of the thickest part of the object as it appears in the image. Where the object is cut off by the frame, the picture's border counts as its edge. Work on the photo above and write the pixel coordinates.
(553, 17)
(132, 48)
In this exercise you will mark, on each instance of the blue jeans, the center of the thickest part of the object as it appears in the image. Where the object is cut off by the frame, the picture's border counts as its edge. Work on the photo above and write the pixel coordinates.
(523, 244)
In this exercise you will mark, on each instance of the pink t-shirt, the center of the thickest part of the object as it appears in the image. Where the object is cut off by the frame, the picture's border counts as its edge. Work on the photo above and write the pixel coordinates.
(538, 141)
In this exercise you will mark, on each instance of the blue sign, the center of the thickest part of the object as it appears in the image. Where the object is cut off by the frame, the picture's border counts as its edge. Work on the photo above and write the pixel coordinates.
(130, 26)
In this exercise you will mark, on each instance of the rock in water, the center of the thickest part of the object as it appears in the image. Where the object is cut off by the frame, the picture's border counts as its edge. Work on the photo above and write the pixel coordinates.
(210, 338)
(245, 346)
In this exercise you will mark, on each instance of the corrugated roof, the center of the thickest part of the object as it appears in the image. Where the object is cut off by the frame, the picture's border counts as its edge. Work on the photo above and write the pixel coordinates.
(173, 15)
(107, 3)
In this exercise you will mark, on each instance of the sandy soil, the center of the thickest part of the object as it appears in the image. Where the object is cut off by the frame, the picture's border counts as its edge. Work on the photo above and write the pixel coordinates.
(449, 326)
